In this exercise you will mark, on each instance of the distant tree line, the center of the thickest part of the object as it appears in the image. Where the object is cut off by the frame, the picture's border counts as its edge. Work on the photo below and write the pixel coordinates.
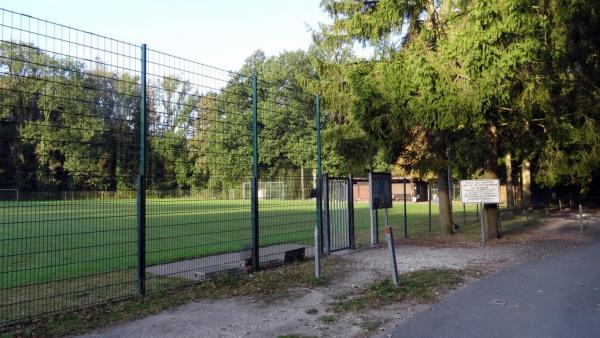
(66, 125)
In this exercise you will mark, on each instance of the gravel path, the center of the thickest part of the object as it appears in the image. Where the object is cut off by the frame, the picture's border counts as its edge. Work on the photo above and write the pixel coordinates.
(249, 317)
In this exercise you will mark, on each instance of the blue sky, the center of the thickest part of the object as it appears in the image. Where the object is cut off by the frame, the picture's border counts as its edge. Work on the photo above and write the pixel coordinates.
(220, 33)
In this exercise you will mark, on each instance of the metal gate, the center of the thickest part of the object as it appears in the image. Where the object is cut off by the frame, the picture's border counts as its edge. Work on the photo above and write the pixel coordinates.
(339, 214)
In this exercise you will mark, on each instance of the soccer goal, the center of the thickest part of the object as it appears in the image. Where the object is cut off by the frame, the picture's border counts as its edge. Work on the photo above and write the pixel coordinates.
(9, 195)
(266, 190)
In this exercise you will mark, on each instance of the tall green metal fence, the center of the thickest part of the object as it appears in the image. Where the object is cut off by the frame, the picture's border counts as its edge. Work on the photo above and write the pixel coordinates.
(125, 170)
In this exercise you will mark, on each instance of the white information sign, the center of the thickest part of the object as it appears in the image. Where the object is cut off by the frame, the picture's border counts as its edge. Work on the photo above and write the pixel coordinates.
(480, 191)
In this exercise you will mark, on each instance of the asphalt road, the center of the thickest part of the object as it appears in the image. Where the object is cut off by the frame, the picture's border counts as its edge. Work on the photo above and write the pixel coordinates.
(557, 296)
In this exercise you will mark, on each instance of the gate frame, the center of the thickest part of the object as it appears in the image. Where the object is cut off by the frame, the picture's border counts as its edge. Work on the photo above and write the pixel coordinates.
(327, 230)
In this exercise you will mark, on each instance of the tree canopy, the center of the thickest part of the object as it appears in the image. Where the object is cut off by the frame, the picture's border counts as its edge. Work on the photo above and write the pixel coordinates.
(460, 84)
(461, 81)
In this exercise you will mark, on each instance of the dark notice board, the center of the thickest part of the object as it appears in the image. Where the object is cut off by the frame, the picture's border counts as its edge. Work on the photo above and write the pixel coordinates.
(380, 188)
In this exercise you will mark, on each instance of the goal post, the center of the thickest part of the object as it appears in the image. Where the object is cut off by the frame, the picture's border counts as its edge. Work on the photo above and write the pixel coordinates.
(10, 195)
(266, 190)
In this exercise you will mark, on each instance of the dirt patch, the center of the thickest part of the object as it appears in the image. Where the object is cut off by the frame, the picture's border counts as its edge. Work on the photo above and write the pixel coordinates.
(308, 311)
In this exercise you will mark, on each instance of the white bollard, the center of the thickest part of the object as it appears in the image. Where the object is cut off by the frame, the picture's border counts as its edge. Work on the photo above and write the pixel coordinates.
(317, 254)
(560, 206)
(580, 219)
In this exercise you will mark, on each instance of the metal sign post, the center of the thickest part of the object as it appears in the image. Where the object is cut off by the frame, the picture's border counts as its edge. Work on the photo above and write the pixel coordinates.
(376, 211)
(373, 226)
(372, 213)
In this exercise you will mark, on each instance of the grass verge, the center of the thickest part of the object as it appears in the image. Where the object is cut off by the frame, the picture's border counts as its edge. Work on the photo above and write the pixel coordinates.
(265, 285)
(422, 286)
(370, 325)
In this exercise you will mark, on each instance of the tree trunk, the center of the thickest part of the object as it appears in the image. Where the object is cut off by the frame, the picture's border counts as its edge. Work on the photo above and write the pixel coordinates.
(510, 198)
(490, 171)
(302, 186)
(444, 203)
(432, 20)
(526, 183)
(451, 192)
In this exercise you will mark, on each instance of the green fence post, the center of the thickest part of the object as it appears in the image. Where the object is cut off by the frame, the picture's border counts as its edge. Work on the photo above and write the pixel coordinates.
(319, 225)
(351, 234)
(429, 202)
(254, 183)
(141, 184)
(326, 232)
(405, 215)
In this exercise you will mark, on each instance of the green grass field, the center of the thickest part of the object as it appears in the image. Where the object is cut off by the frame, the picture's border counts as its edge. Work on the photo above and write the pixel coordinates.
(51, 240)
(45, 241)
(417, 220)
(61, 254)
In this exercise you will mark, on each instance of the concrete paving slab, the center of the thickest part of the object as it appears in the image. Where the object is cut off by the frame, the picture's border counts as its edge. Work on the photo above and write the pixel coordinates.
(201, 268)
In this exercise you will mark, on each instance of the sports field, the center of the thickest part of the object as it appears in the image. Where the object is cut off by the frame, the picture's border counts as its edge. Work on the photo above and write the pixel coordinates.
(62, 254)
(61, 239)
(51, 240)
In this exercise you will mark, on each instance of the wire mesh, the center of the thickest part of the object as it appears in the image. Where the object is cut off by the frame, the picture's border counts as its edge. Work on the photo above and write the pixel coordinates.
(199, 156)
(418, 219)
(287, 144)
(70, 126)
(68, 109)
